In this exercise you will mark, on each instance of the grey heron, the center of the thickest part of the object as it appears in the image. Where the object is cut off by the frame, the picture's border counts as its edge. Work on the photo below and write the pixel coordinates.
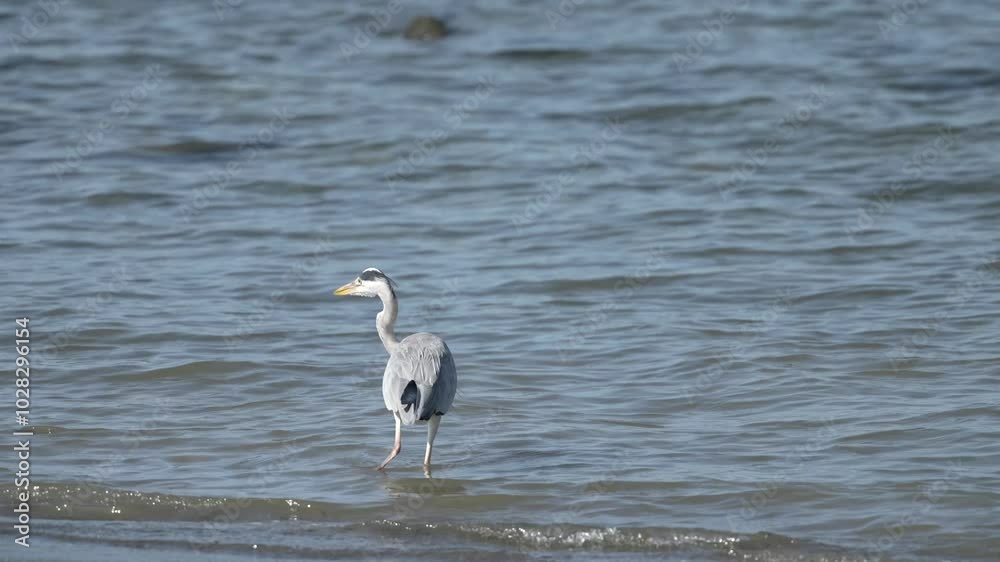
(420, 378)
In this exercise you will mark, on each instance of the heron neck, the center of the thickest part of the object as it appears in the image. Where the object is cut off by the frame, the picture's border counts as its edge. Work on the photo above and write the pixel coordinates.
(385, 321)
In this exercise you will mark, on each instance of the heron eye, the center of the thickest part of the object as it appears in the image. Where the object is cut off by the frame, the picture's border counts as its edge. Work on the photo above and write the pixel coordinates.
(358, 280)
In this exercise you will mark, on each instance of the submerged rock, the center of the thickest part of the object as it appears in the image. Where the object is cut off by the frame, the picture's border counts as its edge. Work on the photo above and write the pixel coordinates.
(425, 28)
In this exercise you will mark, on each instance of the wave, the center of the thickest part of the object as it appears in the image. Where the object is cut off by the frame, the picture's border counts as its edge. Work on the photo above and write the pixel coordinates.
(312, 529)
(542, 54)
(94, 501)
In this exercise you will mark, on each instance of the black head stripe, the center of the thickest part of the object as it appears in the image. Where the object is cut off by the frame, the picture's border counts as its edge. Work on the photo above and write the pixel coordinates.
(373, 274)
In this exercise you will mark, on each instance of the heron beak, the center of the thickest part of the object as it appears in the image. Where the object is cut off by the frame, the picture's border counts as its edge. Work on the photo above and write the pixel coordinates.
(347, 289)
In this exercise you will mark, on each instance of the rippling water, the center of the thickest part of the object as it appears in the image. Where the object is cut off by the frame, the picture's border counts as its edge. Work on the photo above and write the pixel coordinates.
(720, 280)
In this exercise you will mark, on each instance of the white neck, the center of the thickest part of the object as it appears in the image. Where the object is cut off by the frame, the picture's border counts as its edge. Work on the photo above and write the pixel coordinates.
(385, 321)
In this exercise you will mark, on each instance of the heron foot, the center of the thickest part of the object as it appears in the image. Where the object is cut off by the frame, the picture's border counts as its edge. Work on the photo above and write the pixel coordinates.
(392, 454)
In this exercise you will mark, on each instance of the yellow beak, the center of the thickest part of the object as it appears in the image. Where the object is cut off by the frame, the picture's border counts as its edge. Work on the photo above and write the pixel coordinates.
(346, 289)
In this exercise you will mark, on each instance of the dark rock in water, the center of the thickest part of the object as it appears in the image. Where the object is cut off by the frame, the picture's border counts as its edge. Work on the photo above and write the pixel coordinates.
(425, 28)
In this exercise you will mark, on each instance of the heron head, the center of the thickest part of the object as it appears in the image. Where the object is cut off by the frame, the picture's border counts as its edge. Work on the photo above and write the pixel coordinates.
(370, 283)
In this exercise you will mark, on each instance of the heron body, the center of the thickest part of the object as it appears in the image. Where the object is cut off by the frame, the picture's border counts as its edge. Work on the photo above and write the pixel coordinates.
(420, 378)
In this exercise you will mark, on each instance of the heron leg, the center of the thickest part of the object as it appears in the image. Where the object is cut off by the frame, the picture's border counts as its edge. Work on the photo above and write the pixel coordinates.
(397, 445)
(432, 429)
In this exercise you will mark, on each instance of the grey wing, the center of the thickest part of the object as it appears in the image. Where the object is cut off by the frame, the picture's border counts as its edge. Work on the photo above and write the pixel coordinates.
(420, 379)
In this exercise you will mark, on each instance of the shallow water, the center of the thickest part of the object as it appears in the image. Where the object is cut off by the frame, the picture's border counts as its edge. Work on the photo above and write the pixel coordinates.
(728, 302)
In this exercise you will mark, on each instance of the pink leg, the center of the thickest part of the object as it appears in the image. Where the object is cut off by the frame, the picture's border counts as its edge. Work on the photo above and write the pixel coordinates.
(397, 446)
(432, 429)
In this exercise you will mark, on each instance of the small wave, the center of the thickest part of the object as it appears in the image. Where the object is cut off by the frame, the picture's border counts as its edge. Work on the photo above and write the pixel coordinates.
(541, 54)
(566, 286)
(121, 198)
(698, 542)
(662, 112)
(186, 370)
(193, 147)
(94, 501)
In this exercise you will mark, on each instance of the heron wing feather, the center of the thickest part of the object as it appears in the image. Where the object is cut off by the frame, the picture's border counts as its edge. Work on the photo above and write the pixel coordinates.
(425, 360)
